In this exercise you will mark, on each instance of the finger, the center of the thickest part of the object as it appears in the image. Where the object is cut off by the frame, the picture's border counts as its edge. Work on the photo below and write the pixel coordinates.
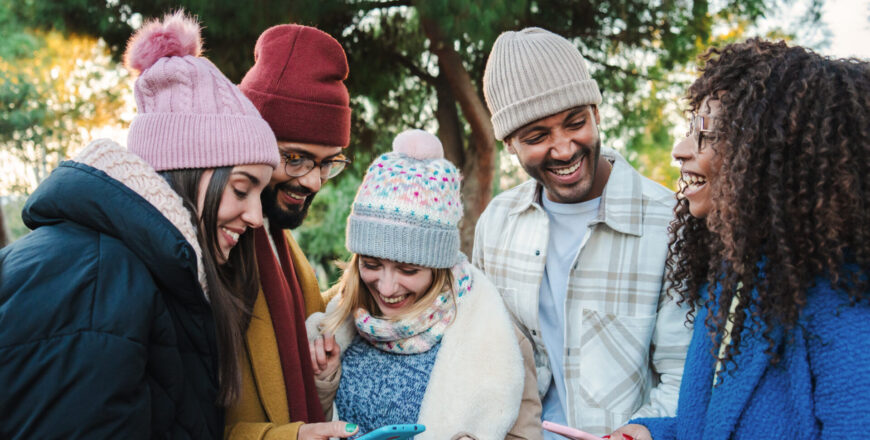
(320, 353)
(329, 342)
(311, 351)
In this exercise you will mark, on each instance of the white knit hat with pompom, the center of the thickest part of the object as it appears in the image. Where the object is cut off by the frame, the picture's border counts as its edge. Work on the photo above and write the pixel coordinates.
(408, 207)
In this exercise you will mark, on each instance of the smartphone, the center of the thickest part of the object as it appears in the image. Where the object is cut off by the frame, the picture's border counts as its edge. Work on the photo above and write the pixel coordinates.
(394, 432)
(567, 431)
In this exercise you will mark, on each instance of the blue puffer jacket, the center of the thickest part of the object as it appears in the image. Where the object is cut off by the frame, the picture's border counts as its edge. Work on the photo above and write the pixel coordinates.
(819, 389)
(104, 328)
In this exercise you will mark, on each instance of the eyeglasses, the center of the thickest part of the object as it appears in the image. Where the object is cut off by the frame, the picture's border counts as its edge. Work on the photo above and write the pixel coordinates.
(296, 165)
(701, 126)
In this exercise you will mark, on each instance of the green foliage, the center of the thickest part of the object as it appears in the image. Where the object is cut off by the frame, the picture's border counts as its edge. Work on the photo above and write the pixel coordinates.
(53, 90)
(321, 236)
(11, 207)
(641, 53)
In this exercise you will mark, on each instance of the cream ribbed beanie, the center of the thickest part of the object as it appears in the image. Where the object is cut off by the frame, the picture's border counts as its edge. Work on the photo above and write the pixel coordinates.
(532, 74)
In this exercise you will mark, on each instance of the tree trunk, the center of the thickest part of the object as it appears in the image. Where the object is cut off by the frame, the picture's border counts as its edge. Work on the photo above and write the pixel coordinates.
(449, 124)
(478, 162)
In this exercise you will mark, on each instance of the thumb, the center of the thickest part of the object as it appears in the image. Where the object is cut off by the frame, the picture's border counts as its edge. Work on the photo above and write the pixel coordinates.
(336, 429)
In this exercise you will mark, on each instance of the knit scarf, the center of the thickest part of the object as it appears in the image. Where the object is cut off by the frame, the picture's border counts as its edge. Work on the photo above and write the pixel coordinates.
(287, 309)
(416, 334)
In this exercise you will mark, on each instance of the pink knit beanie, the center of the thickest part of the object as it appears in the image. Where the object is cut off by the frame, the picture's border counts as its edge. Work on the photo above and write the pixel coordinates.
(190, 114)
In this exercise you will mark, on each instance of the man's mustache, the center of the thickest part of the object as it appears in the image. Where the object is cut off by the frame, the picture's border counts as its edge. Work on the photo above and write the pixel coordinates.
(301, 190)
(553, 163)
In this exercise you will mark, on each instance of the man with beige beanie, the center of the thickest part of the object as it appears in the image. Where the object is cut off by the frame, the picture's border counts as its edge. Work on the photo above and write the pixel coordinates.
(578, 252)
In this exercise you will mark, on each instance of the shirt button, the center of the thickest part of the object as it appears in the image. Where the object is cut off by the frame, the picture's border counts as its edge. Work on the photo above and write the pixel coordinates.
(534, 333)
(537, 252)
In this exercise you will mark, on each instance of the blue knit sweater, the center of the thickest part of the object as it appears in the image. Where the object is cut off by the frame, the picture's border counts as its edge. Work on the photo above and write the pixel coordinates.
(820, 388)
(378, 388)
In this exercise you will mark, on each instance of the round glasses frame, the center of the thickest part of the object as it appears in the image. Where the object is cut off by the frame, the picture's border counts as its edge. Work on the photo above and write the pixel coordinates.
(296, 165)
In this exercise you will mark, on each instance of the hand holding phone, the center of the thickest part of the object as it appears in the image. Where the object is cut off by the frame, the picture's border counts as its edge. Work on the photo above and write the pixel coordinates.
(394, 432)
(567, 431)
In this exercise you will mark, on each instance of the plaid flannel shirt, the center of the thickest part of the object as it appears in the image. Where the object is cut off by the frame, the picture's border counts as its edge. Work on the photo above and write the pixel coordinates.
(625, 340)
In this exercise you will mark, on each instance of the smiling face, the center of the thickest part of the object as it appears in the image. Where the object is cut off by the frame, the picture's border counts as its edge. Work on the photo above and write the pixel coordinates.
(699, 163)
(286, 199)
(395, 287)
(562, 153)
(239, 207)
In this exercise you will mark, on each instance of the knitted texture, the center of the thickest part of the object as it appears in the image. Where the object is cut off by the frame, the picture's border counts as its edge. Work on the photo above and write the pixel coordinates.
(297, 84)
(532, 74)
(378, 388)
(419, 333)
(819, 388)
(136, 174)
(189, 114)
(408, 206)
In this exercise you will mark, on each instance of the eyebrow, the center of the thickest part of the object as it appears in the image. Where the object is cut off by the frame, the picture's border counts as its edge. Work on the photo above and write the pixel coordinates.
(290, 150)
(253, 179)
(574, 112)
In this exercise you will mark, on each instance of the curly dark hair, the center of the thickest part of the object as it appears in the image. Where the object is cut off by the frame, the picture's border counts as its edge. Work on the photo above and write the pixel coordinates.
(792, 196)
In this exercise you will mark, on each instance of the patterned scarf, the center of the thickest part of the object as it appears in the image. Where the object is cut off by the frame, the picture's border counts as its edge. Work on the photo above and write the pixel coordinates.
(419, 333)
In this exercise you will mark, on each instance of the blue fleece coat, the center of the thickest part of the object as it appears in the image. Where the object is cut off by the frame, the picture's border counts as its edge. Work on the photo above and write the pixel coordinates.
(104, 328)
(820, 388)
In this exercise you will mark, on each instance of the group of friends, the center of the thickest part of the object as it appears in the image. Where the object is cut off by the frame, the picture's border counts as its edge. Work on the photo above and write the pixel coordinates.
(161, 294)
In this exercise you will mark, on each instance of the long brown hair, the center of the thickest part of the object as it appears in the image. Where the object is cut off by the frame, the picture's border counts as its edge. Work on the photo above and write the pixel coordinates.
(355, 295)
(232, 286)
(791, 201)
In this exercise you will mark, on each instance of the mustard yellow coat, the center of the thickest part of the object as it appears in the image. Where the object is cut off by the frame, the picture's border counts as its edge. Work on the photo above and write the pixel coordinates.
(262, 412)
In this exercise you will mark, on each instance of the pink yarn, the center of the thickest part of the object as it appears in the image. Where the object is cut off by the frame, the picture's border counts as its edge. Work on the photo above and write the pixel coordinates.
(418, 144)
(176, 35)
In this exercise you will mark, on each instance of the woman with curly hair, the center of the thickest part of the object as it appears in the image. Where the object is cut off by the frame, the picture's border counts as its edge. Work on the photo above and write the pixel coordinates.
(771, 248)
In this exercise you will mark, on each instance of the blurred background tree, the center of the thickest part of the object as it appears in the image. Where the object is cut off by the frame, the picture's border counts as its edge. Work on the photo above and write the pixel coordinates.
(419, 63)
(55, 90)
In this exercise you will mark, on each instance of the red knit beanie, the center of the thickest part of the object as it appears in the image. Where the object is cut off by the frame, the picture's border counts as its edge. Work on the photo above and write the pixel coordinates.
(297, 85)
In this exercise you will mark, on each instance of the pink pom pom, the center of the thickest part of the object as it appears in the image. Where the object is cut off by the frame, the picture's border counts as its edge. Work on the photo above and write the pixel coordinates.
(418, 144)
(176, 35)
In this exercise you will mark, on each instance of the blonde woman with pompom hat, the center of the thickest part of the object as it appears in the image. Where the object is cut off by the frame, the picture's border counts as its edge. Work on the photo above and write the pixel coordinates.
(122, 313)
(415, 334)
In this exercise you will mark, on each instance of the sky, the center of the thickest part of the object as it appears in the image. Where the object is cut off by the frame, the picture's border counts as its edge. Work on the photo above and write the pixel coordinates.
(849, 24)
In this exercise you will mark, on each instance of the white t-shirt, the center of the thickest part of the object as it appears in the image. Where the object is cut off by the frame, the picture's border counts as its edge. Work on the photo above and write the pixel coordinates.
(568, 227)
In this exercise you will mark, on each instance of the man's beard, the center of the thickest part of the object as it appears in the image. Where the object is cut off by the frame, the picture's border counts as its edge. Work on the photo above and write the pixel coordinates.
(576, 192)
(279, 217)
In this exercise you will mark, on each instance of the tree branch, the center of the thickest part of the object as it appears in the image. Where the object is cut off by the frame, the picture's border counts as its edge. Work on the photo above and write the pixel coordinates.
(413, 68)
(371, 5)
(624, 70)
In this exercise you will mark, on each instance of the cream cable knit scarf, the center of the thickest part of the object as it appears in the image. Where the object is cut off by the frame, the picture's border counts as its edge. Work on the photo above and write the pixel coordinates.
(136, 174)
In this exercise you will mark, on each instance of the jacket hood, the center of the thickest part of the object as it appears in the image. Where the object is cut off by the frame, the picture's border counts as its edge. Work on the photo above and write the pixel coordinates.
(114, 192)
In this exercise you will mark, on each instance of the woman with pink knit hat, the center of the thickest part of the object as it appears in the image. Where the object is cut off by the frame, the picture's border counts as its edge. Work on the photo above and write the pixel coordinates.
(122, 314)
(420, 336)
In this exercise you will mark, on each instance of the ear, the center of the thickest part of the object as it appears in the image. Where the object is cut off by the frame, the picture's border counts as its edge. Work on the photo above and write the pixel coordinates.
(595, 115)
(509, 145)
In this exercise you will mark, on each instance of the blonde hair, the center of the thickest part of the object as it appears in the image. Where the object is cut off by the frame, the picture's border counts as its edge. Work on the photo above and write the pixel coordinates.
(354, 294)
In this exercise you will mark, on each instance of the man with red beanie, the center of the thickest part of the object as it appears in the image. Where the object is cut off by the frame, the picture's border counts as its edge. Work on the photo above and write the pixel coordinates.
(297, 85)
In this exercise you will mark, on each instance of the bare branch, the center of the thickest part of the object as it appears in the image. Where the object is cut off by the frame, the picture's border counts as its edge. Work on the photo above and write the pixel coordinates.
(624, 70)
(413, 68)
(371, 5)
